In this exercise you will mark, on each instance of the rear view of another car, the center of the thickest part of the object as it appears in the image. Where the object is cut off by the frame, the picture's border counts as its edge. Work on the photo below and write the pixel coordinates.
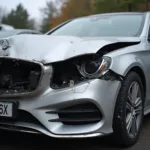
(10, 33)
(5, 27)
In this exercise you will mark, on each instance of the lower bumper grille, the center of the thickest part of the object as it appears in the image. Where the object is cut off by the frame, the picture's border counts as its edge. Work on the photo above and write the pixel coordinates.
(17, 128)
(78, 115)
(23, 116)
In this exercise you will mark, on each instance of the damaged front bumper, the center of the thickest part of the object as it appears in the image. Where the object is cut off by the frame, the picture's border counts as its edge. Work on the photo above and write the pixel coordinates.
(84, 110)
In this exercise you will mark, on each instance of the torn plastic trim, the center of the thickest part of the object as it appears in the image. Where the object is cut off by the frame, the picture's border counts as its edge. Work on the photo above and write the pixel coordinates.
(112, 76)
(115, 46)
(67, 74)
(99, 52)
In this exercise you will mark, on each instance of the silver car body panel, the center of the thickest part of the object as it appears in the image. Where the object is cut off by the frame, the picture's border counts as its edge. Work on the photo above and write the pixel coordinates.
(56, 99)
(46, 49)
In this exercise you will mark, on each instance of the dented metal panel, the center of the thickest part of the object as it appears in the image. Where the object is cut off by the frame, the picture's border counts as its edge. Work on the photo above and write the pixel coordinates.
(52, 78)
(47, 49)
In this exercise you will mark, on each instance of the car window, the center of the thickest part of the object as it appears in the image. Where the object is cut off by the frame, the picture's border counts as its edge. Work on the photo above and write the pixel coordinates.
(104, 25)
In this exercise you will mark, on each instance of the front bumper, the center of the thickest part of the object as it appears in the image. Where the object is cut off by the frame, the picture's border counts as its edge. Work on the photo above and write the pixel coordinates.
(99, 92)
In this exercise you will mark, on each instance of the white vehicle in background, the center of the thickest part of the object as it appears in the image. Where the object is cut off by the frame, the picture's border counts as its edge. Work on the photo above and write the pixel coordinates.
(10, 33)
(4, 27)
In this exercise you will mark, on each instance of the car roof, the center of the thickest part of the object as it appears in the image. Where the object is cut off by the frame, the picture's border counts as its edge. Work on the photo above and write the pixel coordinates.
(119, 13)
(26, 30)
(9, 33)
(114, 13)
(5, 27)
(17, 31)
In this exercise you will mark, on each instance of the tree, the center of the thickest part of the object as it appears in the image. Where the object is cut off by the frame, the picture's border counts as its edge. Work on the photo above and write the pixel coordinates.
(2, 13)
(101, 6)
(133, 5)
(18, 18)
(31, 24)
(72, 9)
(77, 8)
(48, 12)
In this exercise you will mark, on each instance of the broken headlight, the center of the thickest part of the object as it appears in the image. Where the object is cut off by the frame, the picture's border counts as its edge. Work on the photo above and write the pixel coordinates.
(78, 69)
(94, 68)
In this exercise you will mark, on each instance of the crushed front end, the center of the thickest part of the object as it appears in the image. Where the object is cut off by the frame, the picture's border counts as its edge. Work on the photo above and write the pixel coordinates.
(18, 77)
(67, 99)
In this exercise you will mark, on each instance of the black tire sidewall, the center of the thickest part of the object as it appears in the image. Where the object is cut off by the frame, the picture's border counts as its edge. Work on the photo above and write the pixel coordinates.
(119, 122)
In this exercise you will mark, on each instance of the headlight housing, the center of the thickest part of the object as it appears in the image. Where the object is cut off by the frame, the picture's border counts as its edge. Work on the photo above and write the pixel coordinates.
(76, 70)
(95, 68)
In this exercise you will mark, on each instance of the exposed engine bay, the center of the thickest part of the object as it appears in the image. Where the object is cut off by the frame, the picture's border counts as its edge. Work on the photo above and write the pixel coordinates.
(69, 68)
(18, 76)
(74, 71)
(65, 73)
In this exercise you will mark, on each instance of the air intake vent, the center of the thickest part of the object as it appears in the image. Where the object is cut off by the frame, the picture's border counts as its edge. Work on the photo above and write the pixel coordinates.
(78, 115)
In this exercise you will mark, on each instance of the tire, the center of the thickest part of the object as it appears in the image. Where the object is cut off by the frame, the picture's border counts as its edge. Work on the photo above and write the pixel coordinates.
(122, 114)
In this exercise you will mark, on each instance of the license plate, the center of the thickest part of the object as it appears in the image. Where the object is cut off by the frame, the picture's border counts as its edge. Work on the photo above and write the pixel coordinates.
(6, 109)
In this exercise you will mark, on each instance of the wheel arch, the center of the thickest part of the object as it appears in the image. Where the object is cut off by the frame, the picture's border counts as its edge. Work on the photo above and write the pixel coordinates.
(124, 67)
(140, 72)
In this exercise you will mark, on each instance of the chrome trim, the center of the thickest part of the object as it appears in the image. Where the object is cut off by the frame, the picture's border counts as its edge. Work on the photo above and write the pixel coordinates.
(80, 136)
(98, 73)
(19, 130)
(26, 93)
(41, 130)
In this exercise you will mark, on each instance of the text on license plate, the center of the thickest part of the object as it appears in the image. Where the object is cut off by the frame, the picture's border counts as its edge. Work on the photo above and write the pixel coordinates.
(6, 109)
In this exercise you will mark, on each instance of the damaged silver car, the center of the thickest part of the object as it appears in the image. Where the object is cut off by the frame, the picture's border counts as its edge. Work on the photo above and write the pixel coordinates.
(87, 77)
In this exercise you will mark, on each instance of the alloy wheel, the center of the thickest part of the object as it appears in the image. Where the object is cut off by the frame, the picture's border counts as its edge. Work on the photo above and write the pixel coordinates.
(134, 108)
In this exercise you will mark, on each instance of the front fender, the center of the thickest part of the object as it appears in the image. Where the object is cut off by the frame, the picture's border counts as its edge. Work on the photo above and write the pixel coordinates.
(124, 63)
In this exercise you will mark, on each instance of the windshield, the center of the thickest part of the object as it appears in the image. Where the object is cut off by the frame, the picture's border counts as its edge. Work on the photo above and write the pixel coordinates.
(5, 34)
(103, 25)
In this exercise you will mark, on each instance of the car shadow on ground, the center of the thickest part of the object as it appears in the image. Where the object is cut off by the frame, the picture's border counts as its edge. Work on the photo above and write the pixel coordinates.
(20, 141)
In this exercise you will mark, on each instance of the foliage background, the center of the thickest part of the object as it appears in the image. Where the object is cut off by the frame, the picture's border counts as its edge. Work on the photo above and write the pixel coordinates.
(58, 11)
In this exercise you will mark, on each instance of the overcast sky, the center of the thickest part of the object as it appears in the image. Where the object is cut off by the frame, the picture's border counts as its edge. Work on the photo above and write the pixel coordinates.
(32, 6)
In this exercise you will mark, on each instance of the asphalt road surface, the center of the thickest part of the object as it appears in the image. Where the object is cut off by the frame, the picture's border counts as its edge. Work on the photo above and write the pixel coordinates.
(17, 141)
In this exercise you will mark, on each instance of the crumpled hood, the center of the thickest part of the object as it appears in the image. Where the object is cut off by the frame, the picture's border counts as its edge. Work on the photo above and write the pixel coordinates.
(47, 49)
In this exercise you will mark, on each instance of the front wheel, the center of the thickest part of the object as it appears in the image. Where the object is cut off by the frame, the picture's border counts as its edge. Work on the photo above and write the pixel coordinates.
(129, 110)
